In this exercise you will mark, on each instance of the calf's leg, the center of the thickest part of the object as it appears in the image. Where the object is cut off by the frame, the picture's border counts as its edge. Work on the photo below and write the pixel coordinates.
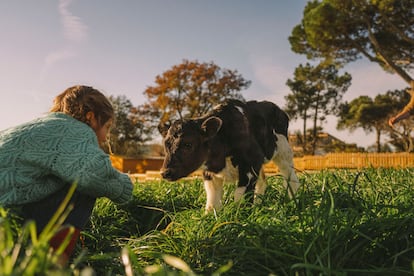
(260, 187)
(214, 187)
(283, 158)
(213, 184)
(248, 181)
(239, 193)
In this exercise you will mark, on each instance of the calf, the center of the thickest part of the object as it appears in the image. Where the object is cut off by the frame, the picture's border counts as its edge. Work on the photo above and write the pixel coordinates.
(242, 135)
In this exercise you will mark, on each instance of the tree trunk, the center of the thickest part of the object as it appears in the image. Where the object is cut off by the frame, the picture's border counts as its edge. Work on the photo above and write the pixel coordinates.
(305, 141)
(407, 110)
(378, 140)
(315, 125)
(315, 131)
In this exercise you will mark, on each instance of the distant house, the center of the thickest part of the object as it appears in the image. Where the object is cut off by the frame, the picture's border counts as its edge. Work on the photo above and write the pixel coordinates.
(326, 143)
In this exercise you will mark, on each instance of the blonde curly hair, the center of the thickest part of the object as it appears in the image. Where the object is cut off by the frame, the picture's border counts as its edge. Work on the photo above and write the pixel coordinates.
(78, 100)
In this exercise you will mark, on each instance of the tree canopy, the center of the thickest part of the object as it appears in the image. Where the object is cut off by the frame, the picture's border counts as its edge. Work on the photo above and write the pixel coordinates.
(130, 130)
(316, 92)
(342, 31)
(372, 115)
(190, 89)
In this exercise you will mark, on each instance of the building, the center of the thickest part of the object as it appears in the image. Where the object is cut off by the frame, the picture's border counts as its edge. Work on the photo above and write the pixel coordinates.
(326, 143)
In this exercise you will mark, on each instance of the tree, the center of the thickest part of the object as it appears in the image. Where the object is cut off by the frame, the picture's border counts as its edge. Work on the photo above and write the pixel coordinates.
(402, 139)
(316, 92)
(366, 113)
(129, 131)
(372, 115)
(343, 31)
(190, 89)
(401, 135)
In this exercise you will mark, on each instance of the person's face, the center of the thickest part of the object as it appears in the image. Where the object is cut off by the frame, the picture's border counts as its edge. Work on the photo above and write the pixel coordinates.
(101, 132)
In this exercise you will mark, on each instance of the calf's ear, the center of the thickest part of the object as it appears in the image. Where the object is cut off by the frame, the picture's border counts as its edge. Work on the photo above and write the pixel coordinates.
(211, 126)
(163, 128)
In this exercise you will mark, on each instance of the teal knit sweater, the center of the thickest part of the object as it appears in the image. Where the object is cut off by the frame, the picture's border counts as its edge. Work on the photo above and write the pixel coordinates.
(40, 157)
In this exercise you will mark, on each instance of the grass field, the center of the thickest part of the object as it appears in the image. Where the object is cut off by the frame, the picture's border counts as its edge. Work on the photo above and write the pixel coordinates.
(340, 223)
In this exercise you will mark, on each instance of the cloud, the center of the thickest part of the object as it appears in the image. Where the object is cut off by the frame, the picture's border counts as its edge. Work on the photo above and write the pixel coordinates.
(270, 78)
(59, 55)
(74, 29)
(269, 75)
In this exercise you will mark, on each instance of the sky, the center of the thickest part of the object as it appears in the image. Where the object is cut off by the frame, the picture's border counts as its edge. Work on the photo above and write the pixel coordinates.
(119, 47)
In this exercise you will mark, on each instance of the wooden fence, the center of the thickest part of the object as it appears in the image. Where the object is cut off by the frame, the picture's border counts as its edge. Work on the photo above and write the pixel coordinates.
(148, 168)
(132, 165)
(349, 161)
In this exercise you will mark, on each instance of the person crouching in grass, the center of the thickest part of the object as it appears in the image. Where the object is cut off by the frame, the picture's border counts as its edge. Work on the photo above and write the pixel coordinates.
(41, 159)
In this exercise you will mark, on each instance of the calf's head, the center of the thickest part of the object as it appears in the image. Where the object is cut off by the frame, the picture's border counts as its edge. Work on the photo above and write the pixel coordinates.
(186, 145)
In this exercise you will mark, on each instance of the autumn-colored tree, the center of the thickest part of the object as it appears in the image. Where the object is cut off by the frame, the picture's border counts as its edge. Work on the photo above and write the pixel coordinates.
(190, 89)
(316, 92)
(342, 31)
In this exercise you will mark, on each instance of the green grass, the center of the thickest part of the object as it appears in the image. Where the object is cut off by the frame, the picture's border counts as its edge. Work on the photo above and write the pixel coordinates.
(341, 222)
(24, 252)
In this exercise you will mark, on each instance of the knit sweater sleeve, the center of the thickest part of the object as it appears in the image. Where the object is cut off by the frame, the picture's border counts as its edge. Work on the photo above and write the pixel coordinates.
(95, 175)
(79, 159)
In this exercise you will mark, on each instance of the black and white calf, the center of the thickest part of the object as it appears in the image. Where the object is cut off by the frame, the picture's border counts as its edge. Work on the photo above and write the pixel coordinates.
(242, 135)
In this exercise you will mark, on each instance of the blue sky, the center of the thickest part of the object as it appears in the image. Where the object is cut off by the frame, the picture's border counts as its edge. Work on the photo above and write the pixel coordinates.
(119, 47)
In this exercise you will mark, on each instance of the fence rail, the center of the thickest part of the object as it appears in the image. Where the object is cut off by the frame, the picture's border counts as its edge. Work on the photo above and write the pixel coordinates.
(350, 161)
(148, 168)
